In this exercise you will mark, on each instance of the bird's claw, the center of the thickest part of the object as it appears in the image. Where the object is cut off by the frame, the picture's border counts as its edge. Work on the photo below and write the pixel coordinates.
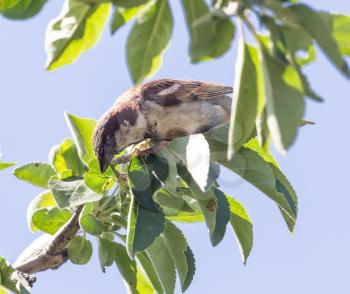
(154, 149)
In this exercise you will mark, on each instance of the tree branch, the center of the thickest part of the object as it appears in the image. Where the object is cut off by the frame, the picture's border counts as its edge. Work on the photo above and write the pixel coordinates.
(54, 253)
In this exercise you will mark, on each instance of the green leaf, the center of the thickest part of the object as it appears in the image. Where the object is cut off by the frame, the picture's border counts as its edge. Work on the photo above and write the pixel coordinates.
(148, 40)
(62, 191)
(194, 153)
(65, 157)
(11, 281)
(79, 250)
(213, 206)
(7, 4)
(43, 200)
(123, 15)
(163, 264)
(198, 161)
(82, 130)
(144, 226)
(191, 268)
(168, 201)
(96, 181)
(50, 220)
(166, 170)
(90, 224)
(126, 266)
(211, 34)
(339, 25)
(177, 246)
(4, 165)
(222, 217)
(6, 271)
(318, 29)
(248, 103)
(187, 217)
(258, 170)
(82, 194)
(143, 285)
(296, 40)
(143, 183)
(78, 28)
(283, 91)
(35, 173)
(150, 271)
(24, 9)
(72, 193)
(282, 184)
(106, 252)
(242, 227)
(288, 41)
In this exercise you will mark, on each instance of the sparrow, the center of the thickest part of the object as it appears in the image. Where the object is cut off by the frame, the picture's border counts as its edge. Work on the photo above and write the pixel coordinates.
(160, 110)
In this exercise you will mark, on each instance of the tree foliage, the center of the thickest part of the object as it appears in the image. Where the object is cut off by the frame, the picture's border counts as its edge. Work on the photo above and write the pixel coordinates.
(133, 208)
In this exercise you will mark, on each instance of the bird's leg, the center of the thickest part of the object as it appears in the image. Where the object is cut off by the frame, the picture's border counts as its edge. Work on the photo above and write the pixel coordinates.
(154, 149)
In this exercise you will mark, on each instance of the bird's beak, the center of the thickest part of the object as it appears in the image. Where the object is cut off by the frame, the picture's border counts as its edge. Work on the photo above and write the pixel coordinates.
(103, 164)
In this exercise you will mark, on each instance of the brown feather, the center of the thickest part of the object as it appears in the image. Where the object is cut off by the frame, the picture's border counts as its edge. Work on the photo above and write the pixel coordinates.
(168, 92)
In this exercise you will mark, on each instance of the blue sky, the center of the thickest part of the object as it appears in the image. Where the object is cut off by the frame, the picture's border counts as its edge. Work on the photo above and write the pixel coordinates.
(314, 260)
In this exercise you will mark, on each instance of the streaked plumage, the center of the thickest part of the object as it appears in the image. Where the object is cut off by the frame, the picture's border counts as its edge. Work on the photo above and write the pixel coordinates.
(160, 110)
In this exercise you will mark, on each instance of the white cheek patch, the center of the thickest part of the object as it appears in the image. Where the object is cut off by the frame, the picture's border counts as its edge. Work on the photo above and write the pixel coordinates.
(169, 90)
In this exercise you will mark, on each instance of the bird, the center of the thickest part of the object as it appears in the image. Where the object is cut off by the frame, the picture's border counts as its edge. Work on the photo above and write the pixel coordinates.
(160, 110)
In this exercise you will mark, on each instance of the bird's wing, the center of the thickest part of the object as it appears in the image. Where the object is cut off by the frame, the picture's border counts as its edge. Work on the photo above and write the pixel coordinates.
(169, 92)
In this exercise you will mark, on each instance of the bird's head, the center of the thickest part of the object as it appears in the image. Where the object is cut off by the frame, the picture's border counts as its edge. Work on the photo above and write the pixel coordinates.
(121, 126)
(104, 141)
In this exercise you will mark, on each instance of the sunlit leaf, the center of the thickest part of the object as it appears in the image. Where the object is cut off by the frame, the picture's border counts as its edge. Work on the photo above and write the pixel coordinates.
(4, 165)
(50, 220)
(24, 9)
(96, 181)
(82, 130)
(242, 227)
(78, 28)
(43, 200)
(248, 103)
(125, 11)
(65, 157)
(35, 173)
(340, 27)
(194, 153)
(148, 40)
(150, 271)
(186, 217)
(7, 4)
